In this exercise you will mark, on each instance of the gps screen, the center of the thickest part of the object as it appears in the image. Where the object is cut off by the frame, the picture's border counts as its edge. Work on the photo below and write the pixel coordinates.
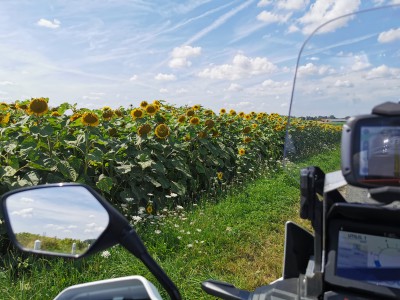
(379, 155)
(369, 258)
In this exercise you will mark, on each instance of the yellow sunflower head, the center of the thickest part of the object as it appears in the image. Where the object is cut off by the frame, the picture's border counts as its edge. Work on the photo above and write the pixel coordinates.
(144, 129)
(246, 130)
(157, 103)
(108, 114)
(196, 107)
(232, 112)
(143, 104)
(247, 139)
(242, 152)
(118, 112)
(162, 131)
(137, 113)
(151, 109)
(4, 118)
(220, 175)
(190, 113)
(194, 121)
(209, 112)
(241, 114)
(182, 119)
(105, 108)
(75, 116)
(202, 135)
(113, 131)
(248, 117)
(209, 123)
(222, 111)
(38, 106)
(3, 106)
(254, 125)
(55, 114)
(90, 119)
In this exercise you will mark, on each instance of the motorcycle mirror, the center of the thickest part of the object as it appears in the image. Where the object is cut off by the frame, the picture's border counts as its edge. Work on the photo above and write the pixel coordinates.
(63, 220)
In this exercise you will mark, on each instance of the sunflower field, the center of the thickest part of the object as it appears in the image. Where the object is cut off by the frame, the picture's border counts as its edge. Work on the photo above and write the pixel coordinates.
(154, 155)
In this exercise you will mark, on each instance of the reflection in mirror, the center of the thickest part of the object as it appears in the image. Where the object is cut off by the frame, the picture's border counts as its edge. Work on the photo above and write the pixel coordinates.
(58, 219)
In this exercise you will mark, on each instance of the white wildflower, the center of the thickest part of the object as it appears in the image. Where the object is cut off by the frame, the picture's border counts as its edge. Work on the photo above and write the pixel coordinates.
(157, 231)
(174, 195)
(228, 228)
(198, 230)
(105, 254)
(190, 245)
(179, 207)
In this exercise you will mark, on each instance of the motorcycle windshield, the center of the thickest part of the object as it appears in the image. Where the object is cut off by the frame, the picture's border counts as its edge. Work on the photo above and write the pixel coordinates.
(345, 68)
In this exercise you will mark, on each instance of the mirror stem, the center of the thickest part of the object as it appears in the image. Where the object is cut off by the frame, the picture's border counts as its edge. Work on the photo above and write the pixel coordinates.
(134, 244)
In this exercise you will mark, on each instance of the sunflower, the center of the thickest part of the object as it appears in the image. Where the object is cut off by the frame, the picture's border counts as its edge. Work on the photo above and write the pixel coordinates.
(196, 107)
(151, 109)
(190, 113)
(202, 135)
(162, 131)
(149, 208)
(75, 116)
(254, 125)
(137, 113)
(222, 111)
(247, 129)
(38, 106)
(209, 123)
(157, 103)
(118, 112)
(182, 119)
(241, 114)
(247, 139)
(194, 121)
(209, 112)
(3, 106)
(144, 129)
(242, 152)
(232, 112)
(21, 106)
(215, 133)
(90, 119)
(248, 117)
(105, 108)
(143, 104)
(4, 118)
(113, 131)
(220, 175)
(107, 114)
(55, 114)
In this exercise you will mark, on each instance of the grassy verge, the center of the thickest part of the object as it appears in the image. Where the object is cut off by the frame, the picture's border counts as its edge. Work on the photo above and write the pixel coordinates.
(236, 238)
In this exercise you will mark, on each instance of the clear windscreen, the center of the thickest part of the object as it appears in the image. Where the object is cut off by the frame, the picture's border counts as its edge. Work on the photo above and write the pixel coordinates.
(345, 68)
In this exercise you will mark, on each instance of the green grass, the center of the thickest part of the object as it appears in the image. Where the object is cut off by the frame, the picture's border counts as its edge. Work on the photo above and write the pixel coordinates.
(236, 238)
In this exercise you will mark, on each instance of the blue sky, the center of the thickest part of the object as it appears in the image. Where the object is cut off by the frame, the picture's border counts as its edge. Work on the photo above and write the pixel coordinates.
(231, 54)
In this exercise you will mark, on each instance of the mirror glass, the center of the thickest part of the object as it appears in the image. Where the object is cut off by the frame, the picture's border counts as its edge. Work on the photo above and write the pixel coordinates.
(59, 219)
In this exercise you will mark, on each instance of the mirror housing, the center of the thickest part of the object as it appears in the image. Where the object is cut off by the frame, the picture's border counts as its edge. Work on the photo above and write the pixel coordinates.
(65, 219)
(371, 148)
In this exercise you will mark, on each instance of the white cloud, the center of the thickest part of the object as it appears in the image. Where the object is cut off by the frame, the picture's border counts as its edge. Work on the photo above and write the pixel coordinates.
(311, 69)
(293, 28)
(165, 77)
(163, 91)
(324, 10)
(181, 91)
(133, 78)
(234, 87)
(180, 56)
(360, 62)
(49, 24)
(263, 3)
(383, 71)
(343, 83)
(6, 82)
(292, 4)
(389, 36)
(24, 213)
(268, 17)
(242, 66)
